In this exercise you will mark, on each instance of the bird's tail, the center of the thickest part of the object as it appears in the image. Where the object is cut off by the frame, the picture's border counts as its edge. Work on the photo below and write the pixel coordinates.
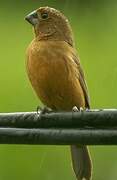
(81, 162)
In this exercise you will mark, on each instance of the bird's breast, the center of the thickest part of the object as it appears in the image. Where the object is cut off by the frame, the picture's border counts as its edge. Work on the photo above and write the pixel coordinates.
(52, 75)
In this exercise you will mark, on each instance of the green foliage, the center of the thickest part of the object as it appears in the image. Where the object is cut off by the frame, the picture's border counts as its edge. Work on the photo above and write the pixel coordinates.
(95, 27)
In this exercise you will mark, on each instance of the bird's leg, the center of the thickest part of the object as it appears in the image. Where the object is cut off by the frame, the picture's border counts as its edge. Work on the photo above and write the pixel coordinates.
(43, 110)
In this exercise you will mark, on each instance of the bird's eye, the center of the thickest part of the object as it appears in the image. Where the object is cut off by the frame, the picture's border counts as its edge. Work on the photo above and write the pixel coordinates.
(44, 15)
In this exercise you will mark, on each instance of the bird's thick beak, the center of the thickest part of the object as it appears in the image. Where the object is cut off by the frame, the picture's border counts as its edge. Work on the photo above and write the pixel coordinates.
(32, 18)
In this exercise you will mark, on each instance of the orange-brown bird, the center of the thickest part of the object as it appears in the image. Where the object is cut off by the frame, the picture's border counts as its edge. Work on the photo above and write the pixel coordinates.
(56, 74)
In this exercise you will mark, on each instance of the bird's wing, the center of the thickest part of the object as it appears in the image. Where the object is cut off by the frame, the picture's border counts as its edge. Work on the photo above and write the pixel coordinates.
(82, 81)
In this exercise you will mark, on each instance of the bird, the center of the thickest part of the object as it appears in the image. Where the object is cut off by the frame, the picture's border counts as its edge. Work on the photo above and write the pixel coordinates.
(55, 72)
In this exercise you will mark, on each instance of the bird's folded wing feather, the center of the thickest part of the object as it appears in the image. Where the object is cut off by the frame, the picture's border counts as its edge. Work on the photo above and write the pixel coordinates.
(82, 81)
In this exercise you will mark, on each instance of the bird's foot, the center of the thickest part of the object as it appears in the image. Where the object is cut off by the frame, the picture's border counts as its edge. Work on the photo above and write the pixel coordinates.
(43, 110)
(76, 109)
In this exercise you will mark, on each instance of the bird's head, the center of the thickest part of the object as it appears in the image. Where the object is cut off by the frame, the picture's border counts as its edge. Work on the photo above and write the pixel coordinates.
(50, 23)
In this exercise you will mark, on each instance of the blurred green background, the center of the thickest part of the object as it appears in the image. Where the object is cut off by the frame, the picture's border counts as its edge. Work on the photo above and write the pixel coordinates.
(94, 24)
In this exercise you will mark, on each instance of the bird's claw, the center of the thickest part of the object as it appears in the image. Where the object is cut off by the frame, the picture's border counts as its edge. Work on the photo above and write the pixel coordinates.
(43, 110)
(81, 109)
(76, 109)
